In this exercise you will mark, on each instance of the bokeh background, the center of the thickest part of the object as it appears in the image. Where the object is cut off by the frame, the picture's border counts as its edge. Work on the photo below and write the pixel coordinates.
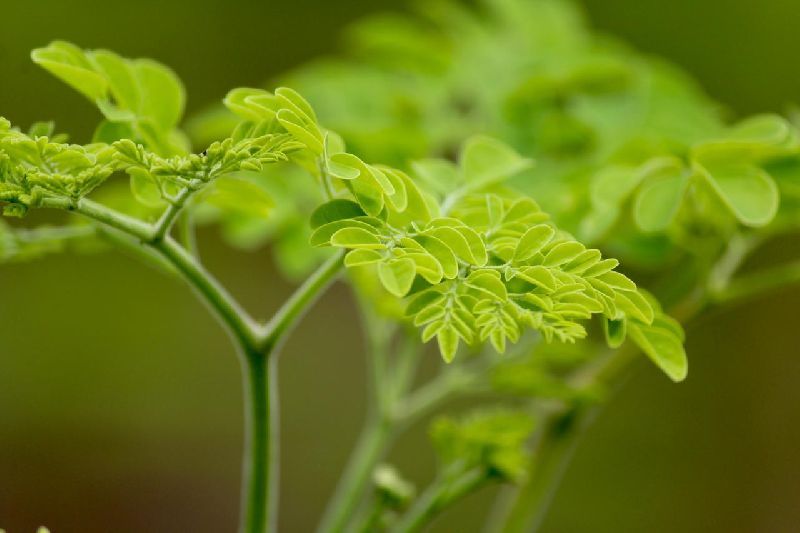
(120, 401)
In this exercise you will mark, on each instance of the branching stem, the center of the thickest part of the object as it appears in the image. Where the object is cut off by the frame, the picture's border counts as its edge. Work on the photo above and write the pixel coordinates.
(256, 344)
(442, 493)
(171, 214)
(287, 316)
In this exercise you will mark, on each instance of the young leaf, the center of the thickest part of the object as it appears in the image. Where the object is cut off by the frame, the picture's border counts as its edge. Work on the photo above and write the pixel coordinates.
(748, 191)
(234, 194)
(397, 275)
(355, 237)
(485, 160)
(361, 256)
(447, 338)
(662, 346)
(658, 201)
(334, 210)
(615, 331)
(68, 63)
(162, 96)
(306, 132)
(562, 253)
(533, 241)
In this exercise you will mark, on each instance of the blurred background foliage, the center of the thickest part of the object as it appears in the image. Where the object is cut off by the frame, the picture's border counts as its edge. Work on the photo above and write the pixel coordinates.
(127, 422)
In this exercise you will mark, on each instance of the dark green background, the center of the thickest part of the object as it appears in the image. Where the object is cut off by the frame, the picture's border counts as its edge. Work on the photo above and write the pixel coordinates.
(119, 396)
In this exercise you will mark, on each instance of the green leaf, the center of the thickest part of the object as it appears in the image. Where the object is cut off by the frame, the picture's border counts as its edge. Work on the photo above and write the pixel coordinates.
(162, 94)
(601, 267)
(485, 160)
(234, 194)
(306, 132)
(251, 104)
(659, 199)
(291, 99)
(68, 63)
(538, 275)
(615, 331)
(663, 347)
(532, 241)
(397, 275)
(144, 188)
(447, 338)
(121, 79)
(427, 266)
(417, 209)
(489, 283)
(362, 257)
(748, 191)
(344, 167)
(471, 250)
(335, 210)
(492, 438)
(612, 185)
(398, 199)
(41, 129)
(442, 253)
(617, 280)
(368, 195)
(109, 132)
(762, 129)
(439, 175)
(562, 253)
(322, 235)
(354, 237)
(634, 305)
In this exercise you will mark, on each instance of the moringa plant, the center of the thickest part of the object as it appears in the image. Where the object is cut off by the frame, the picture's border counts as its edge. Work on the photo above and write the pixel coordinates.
(487, 247)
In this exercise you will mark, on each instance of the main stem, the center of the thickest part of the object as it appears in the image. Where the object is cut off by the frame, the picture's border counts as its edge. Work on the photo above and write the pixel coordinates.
(260, 466)
(256, 344)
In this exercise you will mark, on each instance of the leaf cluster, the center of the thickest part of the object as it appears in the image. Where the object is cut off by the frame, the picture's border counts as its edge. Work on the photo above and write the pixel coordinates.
(632, 156)
(140, 99)
(32, 167)
(493, 440)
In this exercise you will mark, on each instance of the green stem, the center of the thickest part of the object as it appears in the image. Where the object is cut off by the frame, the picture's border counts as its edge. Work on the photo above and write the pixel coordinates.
(257, 345)
(224, 306)
(526, 508)
(761, 282)
(105, 215)
(431, 395)
(438, 496)
(405, 366)
(468, 379)
(376, 433)
(133, 247)
(522, 510)
(260, 466)
(368, 452)
(171, 213)
(293, 309)
(187, 233)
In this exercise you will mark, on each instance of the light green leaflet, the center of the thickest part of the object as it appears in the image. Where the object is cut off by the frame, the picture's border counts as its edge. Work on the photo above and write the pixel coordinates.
(140, 99)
